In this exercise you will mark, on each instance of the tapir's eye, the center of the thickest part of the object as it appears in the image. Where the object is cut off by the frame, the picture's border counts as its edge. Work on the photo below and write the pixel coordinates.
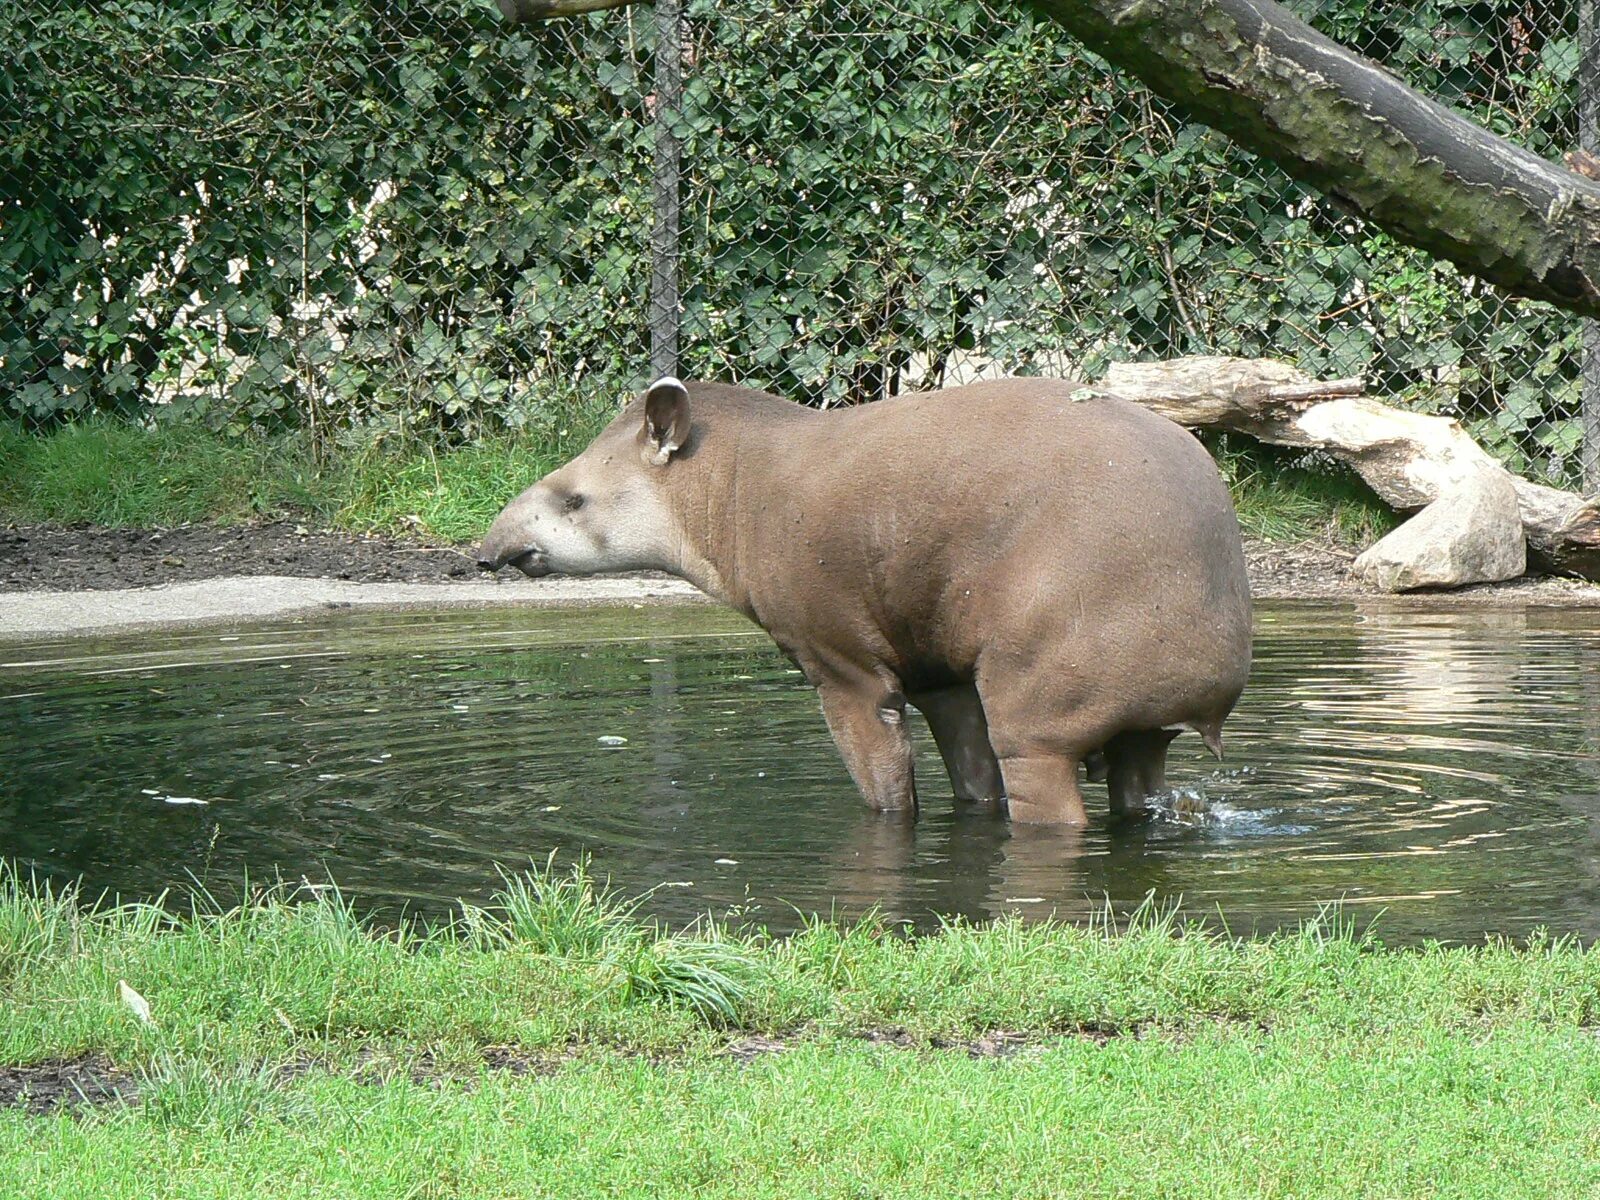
(572, 503)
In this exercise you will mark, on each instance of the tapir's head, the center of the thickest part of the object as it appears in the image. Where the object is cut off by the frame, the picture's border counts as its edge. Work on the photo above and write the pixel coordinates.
(607, 509)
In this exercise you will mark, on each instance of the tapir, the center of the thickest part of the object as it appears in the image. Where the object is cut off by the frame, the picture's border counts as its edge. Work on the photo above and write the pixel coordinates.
(1052, 575)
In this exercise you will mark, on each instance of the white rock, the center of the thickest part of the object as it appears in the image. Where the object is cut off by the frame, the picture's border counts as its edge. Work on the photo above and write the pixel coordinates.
(1470, 534)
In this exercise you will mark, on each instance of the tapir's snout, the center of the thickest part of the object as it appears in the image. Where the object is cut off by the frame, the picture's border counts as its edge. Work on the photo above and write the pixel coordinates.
(507, 545)
(530, 561)
(492, 553)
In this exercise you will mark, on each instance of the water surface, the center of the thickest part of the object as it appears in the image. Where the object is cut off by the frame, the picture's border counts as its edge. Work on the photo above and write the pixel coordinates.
(1440, 767)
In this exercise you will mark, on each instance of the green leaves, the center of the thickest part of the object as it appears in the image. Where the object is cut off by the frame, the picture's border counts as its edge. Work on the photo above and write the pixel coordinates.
(411, 215)
(322, 216)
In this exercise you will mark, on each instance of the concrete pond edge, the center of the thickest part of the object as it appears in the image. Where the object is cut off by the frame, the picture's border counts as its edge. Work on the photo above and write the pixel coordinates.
(244, 599)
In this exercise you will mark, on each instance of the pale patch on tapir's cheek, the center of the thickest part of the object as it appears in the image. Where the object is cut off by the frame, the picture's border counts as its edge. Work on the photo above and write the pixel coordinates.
(640, 529)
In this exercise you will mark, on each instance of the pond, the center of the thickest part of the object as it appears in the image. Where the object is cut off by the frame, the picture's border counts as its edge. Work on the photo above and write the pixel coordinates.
(1437, 770)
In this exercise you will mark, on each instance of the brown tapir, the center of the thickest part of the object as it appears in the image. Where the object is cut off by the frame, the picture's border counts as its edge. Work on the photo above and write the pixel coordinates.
(1052, 575)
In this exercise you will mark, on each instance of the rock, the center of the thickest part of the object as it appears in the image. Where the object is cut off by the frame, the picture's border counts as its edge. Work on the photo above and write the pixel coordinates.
(1471, 534)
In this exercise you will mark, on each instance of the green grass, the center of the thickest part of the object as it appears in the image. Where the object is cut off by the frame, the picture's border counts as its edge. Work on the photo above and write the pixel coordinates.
(1288, 496)
(449, 494)
(112, 473)
(295, 1048)
(106, 472)
(1225, 1115)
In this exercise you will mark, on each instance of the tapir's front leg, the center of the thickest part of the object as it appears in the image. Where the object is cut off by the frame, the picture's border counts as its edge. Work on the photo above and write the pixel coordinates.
(955, 717)
(868, 723)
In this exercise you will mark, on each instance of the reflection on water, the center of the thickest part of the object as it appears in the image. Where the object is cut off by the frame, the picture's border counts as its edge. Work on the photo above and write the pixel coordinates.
(1443, 767)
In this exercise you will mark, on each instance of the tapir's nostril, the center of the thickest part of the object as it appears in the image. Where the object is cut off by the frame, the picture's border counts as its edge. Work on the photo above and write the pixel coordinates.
(487, 564)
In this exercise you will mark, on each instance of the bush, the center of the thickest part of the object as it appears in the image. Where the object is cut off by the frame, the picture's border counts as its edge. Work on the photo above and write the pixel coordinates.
(409, 216)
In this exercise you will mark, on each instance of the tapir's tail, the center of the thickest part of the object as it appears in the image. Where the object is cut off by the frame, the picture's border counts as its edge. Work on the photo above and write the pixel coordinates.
(1210, 732)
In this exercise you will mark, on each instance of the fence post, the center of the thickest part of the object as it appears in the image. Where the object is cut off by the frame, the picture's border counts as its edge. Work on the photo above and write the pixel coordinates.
(664, 227)
(1589, 139)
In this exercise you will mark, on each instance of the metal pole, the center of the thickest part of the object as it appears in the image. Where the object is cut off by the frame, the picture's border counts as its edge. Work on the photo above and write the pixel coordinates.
(664, 229)
(1589, 139)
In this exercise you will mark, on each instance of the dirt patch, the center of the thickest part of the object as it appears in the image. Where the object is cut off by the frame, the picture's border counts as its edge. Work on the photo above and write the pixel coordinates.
(1321, 571)
(1002, 1043)
(84, 558)
(747, 1050)
(69, 1083)
(59, 558)
(90, 1081)
(376, 1066)
(1299, 572)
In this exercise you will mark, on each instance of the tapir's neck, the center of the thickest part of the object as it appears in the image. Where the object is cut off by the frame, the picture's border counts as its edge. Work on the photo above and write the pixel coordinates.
(730, 485)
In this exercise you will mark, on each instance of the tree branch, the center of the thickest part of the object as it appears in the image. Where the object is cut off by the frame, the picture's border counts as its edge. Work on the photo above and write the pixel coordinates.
(1342, 124)
(1411, 460)
(521, 11)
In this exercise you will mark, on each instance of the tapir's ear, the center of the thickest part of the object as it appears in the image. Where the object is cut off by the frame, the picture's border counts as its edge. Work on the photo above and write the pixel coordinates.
(666, 419)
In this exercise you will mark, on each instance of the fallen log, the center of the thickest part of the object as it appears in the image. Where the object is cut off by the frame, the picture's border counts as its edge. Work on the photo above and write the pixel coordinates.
(1475, 520)
(1563, 529)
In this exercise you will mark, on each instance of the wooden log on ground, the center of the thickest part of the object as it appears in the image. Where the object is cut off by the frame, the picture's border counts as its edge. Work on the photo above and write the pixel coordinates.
(1411, 460)
(1563, 529)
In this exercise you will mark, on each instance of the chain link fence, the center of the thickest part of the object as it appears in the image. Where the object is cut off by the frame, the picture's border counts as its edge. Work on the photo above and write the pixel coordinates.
(362, 217)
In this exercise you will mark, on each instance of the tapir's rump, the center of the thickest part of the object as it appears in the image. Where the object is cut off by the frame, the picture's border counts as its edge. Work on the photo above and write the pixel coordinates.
(1050, 574)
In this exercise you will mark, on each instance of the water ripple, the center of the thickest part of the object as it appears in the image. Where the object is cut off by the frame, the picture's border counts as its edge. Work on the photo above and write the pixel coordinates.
(1439, 766)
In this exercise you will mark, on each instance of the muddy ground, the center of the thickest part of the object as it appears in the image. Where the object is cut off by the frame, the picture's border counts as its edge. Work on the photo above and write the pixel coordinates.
(59, 558)
(93, 1080)
(69, 1083)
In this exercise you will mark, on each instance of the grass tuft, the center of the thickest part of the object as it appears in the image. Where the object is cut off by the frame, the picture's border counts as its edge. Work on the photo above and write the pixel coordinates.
(37, 919)
(188, 1096)
(572, 915)
(567, 914)
(713, 978)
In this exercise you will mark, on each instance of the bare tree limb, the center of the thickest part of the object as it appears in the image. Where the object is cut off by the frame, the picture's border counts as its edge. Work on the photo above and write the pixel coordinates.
(1411, 460)
(519, 11)
(1349, 128)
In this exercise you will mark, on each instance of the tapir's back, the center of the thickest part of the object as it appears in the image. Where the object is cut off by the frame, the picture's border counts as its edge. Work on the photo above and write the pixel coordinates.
(1039, 473)
(1060, 442)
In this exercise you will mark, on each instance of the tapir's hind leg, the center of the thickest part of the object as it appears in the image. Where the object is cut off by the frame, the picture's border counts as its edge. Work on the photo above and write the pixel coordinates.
(955, 717)
(1136, 769)
(1039, 752)
(1039, 739)
(1042, 789)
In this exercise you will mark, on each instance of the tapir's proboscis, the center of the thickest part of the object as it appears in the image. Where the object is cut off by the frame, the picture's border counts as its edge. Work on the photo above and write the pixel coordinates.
(1051, 575)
